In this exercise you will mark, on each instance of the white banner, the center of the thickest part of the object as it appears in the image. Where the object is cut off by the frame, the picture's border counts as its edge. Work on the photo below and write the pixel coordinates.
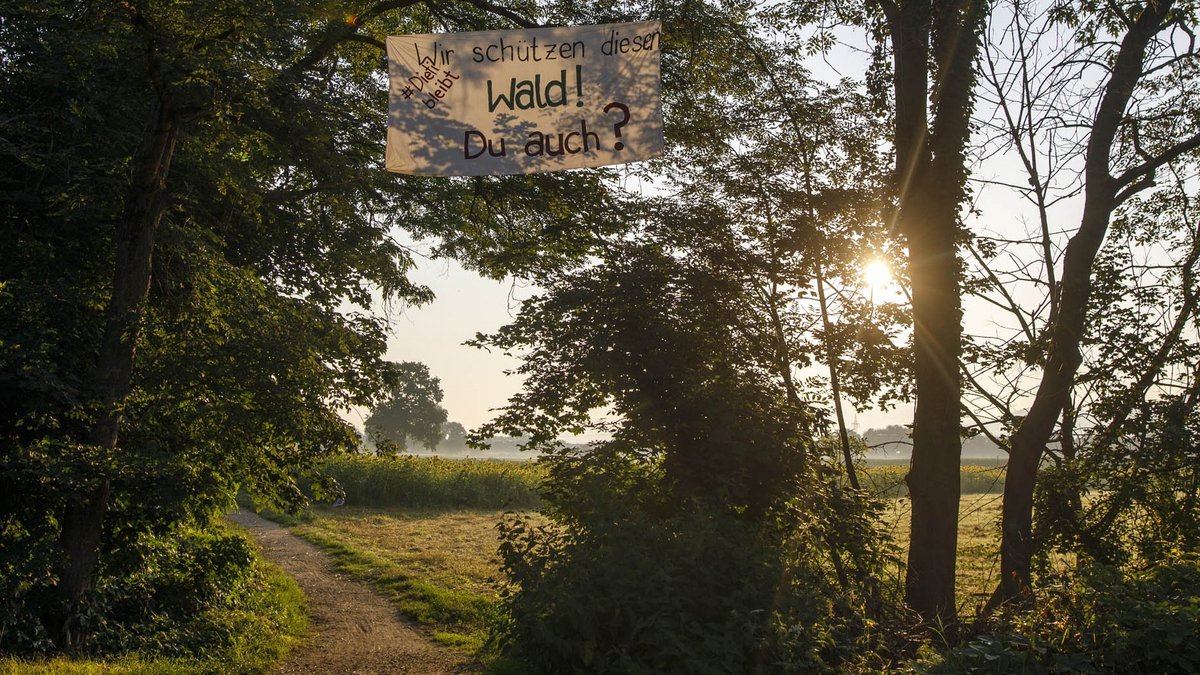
(504, 102)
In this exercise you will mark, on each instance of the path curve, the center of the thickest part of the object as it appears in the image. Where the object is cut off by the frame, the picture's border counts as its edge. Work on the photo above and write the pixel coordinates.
(353, 630)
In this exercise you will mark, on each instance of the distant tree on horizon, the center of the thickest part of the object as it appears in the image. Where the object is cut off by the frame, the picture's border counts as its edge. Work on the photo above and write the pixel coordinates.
(454, 436)
(413, 413)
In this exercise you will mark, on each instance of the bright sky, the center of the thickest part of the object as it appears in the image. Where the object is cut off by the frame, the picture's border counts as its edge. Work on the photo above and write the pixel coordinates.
(473, 380)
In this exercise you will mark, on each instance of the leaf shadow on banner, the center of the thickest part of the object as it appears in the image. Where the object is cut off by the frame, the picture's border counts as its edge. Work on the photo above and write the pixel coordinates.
(615, 118)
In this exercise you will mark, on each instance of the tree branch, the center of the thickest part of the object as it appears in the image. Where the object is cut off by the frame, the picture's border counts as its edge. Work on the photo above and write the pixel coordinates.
(367, 39)
(1142, 176)
(505, 12)
(1012, 307)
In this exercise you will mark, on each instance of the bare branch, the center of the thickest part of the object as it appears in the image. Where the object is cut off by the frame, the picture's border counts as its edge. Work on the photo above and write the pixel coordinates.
(367, 39)
(1141, 176)
(1012, 307)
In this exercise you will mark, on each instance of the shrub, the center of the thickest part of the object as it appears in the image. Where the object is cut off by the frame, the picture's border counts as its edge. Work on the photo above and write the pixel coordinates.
(1104, 620)
(624, 581)
(196, 597)
(168, 603)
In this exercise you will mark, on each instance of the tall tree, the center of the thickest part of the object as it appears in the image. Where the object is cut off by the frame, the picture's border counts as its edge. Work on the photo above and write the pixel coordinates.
(220, 157)
(934, 45)
(1140, 125)
(751, 229)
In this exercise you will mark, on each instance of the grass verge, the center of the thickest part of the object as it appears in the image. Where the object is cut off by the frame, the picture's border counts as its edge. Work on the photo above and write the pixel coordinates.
(439, 568)
(408, 534)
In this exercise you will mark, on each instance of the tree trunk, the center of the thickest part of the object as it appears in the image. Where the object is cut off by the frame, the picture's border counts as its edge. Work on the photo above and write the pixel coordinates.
(1101, 198)
(1030, 440)
(834, 381)
(931, 176)
(933, 481)
(83, 516)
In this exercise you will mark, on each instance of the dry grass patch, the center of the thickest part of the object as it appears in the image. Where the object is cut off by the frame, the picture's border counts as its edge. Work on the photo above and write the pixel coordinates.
(452, 549)
(456, 550)
(437, 567)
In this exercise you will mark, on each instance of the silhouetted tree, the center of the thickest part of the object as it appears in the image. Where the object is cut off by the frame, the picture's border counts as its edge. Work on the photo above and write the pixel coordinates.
(412, 412)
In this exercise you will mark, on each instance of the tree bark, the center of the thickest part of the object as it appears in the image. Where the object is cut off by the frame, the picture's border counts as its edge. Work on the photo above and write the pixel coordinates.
(931, 177)
(1064, 356)
(933, 480)
(83, 515)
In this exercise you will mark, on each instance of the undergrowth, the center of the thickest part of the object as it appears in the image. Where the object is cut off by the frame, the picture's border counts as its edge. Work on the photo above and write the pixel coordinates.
(1098, 619)
(200, 602)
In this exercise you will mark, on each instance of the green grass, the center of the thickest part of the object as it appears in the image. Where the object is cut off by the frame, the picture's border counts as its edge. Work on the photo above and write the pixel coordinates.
(423, 532)
(437, 482)
(398, 532)
(122, 666)
(439, 567)
(267, 628)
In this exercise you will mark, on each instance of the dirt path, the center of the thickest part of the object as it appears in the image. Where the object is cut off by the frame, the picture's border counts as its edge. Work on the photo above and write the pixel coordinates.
(353, 630)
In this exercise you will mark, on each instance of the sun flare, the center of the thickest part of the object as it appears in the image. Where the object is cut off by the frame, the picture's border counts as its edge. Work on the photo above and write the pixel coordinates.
(877, 275)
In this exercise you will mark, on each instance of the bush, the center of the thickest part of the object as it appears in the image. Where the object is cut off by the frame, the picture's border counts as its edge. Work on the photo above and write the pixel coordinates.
(197, 596)
(1102, 621)
(169, 603)
(626, 582)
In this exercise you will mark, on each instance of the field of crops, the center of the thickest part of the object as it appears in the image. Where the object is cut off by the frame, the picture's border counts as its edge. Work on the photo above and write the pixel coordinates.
(441, 482)
(436, 482)
(887, 480)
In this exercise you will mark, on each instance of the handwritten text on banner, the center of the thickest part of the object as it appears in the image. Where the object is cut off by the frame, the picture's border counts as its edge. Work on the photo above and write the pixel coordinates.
(503, 102)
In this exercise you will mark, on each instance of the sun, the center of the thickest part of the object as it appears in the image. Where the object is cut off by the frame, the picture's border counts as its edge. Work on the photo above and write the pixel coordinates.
(877, 275)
